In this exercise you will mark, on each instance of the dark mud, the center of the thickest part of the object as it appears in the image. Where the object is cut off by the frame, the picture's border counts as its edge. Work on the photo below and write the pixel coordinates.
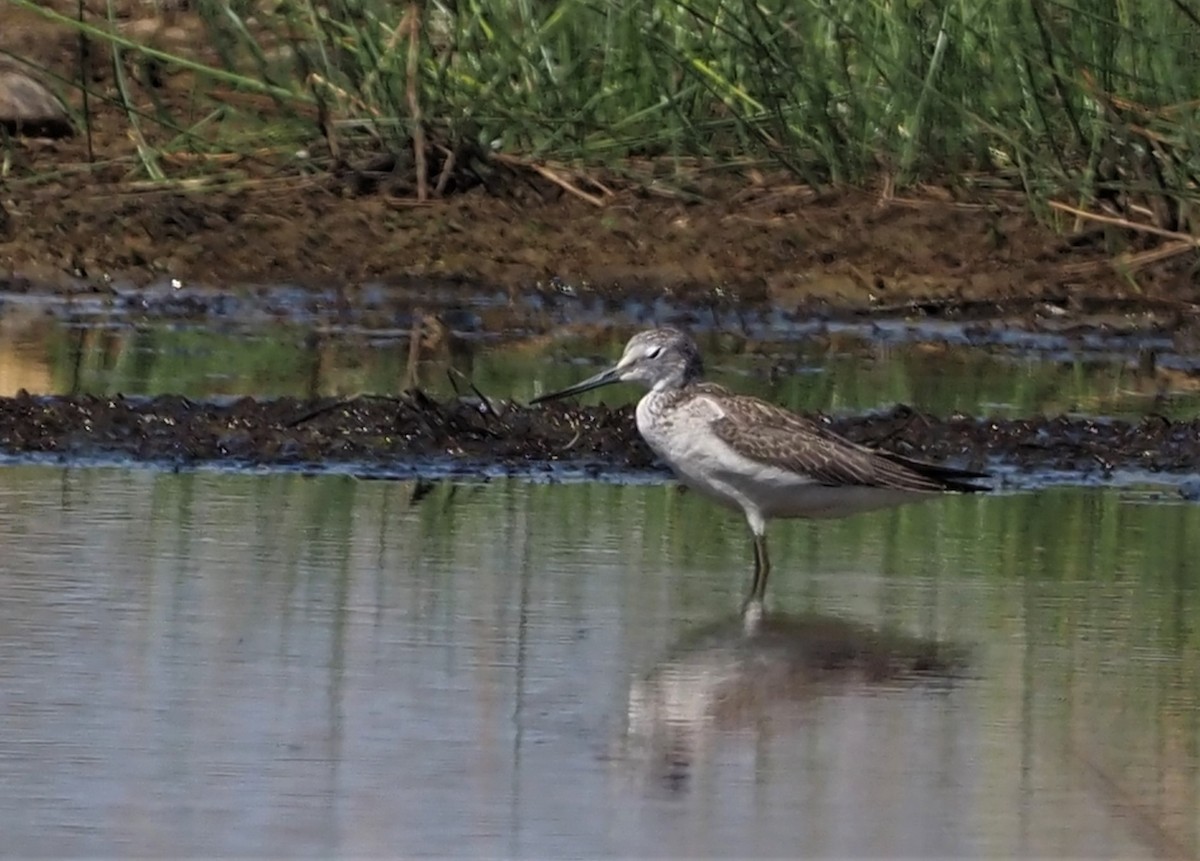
(414, 434)
(794, 249)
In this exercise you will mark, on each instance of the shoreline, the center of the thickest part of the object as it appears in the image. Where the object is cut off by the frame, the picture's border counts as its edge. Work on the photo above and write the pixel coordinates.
(415, 435)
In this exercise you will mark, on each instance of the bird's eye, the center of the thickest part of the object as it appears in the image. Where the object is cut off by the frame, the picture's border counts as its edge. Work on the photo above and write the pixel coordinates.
(653, 352)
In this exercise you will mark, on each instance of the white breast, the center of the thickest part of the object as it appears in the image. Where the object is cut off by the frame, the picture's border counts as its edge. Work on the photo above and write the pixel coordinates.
(683, 439)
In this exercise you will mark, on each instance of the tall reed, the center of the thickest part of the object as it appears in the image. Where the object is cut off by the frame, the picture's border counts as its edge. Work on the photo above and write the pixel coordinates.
(1093, 98)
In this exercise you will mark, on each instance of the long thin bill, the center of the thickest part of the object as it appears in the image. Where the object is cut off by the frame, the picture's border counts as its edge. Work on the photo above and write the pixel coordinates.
(604, 378)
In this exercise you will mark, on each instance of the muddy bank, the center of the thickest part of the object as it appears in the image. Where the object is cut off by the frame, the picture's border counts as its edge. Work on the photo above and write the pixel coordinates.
(735, 243)
(375, 433)
(774, 242)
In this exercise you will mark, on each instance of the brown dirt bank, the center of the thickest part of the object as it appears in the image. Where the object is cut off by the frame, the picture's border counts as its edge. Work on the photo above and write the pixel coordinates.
(769, 242)
(412, 431)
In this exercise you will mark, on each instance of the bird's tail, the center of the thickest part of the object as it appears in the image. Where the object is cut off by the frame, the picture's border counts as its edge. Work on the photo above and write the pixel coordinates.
(950, 477)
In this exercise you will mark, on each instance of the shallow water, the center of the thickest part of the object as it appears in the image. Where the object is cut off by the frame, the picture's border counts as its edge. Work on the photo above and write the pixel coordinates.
(200, 664)
(982, 370)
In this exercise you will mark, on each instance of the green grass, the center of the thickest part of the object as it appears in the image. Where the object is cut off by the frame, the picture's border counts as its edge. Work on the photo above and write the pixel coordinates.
(1083, 99)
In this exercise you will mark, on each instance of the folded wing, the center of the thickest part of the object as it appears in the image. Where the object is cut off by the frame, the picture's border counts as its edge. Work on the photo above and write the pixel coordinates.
(771, 435)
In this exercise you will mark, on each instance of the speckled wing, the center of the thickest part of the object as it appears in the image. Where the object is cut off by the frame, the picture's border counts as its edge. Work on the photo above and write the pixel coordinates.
(771, 435)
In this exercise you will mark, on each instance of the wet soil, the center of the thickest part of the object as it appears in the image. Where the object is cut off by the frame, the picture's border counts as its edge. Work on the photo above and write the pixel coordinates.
(79, 215)
(414, 434)
(771, 242)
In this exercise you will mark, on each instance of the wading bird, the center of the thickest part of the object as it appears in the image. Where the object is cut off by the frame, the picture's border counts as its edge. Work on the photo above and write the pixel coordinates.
(750, 455)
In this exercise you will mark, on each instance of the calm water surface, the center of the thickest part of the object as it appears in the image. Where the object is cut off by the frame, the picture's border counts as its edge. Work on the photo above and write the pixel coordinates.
(203, 664)
(847, 369)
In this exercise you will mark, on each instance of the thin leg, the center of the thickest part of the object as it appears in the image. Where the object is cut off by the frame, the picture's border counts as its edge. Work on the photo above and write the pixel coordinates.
(752, 610)
(762, 568)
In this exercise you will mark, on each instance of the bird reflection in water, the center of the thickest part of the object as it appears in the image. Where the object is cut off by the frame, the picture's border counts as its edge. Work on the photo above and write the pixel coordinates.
(728, 676)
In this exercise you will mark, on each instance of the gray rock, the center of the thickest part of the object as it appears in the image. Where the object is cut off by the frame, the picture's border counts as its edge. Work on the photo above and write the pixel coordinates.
(28, 108)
